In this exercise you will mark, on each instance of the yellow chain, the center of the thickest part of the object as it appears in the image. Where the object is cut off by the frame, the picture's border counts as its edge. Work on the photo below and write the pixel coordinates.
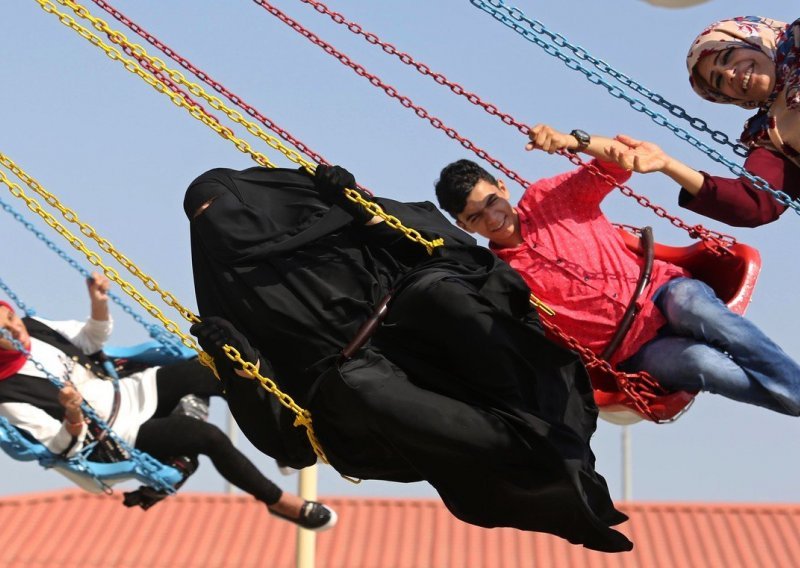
(193, 109)
(94, 259)
(252, 127)
(541, 306)
(302, 416)
(159, 65)
(91, 233)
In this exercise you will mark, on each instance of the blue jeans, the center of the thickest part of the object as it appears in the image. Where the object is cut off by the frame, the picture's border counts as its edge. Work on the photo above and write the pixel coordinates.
(705, 346)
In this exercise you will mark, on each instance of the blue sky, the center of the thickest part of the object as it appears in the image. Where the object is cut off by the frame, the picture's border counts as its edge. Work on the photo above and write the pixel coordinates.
(122, 155)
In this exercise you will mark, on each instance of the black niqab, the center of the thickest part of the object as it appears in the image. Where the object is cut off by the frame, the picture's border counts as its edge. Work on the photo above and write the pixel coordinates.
(459, 387)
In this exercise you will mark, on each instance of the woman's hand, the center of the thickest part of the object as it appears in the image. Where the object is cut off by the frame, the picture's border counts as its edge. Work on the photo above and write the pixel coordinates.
(642, 157)
(71, 400)
(98, 286)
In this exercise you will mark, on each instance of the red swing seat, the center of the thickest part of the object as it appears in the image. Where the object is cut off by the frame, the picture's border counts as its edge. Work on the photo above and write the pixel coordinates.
(732, 276)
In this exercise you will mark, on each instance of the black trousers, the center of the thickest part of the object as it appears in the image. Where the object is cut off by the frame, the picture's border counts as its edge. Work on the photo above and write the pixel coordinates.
(167, 435)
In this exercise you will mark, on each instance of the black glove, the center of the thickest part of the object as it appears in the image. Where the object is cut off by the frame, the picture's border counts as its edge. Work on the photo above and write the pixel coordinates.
(331, 181)
(214, 332)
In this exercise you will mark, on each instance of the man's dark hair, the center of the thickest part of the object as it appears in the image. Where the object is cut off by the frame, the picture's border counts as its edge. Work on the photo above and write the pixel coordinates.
(455, 183)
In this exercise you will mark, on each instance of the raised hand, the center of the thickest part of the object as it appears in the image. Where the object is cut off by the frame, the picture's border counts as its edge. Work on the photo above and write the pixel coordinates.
(98, 285)
(637, 155)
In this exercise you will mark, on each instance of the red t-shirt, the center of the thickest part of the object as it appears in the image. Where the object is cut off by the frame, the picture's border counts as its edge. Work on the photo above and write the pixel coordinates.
(576, 262)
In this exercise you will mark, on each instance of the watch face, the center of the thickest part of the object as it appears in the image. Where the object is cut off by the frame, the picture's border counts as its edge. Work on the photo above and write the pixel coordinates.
(582, 137)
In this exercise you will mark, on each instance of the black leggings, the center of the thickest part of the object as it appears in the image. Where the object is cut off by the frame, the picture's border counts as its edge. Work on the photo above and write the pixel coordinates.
(167, 435)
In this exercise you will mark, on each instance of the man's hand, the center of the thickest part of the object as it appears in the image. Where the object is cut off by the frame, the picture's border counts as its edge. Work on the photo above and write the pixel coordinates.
(213, 333)
(547, 138)
(98, 285)
(642, 157)
(71, 400)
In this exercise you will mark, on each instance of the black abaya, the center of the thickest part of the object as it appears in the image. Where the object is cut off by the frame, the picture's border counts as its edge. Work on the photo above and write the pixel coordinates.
(458, 387)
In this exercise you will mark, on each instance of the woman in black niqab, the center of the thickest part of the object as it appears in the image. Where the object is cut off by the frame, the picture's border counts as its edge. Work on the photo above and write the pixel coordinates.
(458, 387)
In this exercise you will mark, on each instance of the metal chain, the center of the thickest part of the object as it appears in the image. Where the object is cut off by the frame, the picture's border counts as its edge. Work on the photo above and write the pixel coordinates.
(558, 39)
(217, 86)
(638, 387)
(696, 231)
(302, 416)
(513, 20)
(159, 65)
(145, 464)
(424, 69)
(95, 260)
(392, 92)
(20, 304)
(195, 111)
(180, 101)
(717, 242)
(675, 110)
(167, 341)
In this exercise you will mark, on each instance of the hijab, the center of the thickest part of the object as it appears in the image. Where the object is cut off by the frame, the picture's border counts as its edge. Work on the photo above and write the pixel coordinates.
(776, 126)
(11, 360)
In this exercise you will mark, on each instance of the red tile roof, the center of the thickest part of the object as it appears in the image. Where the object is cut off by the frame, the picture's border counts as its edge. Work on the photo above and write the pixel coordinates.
(72, 528)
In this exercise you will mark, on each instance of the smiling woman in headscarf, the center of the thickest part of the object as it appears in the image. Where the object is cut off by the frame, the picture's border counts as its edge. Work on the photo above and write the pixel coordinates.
(752, 62)
(458, 386)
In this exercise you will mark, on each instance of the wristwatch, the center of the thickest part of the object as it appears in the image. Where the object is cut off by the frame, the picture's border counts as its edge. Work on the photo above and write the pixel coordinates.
(583, 140)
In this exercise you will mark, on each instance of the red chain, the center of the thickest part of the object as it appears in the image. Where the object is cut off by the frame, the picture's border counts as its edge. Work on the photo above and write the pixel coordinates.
(392, 92)
(421, 67)
(638, 387)
(206, 78)
(717, 241)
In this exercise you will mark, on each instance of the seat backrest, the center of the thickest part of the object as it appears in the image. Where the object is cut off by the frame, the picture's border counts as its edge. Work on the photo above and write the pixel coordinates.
(732, 276)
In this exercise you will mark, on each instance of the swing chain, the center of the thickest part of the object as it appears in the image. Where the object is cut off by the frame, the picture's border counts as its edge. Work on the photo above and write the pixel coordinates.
(579, 52)
(718, 243)
(393, 93)
(144, 463)
(516, 16)
(302, 416)
(636, 386)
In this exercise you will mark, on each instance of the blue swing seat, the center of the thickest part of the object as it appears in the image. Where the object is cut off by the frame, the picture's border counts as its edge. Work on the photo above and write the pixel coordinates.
(94, 477)
(97, 477)
(151, 353)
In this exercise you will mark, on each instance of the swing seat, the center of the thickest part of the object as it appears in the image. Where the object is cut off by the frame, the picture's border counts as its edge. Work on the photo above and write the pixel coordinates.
(149, 353)
(733, 278)
(94, 477)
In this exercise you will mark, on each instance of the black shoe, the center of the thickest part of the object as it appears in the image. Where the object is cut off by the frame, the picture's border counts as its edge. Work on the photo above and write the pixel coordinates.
(313, 516)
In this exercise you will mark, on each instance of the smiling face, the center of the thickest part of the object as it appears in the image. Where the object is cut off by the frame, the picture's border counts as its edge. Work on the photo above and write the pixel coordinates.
(489, 213)
(13, 323)
(739, 73)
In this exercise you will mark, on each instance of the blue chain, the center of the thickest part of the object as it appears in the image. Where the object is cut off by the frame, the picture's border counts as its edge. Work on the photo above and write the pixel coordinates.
(514, 18)
(20, 304)
(166, 339)
(146, 465)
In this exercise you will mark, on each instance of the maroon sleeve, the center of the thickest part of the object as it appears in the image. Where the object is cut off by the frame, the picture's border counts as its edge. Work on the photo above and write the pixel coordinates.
(736, 202)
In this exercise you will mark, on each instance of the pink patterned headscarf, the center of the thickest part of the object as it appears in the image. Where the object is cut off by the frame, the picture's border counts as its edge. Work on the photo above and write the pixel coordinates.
(777, 124)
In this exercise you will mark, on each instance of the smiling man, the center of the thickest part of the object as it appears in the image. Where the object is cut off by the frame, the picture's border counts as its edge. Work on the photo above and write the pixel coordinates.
(575, 260)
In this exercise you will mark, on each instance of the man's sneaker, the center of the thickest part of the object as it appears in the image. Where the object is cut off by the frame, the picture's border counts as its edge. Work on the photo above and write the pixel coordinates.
(313, 516)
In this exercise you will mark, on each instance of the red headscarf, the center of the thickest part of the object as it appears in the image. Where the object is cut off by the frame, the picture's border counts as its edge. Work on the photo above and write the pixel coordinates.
(11, 360)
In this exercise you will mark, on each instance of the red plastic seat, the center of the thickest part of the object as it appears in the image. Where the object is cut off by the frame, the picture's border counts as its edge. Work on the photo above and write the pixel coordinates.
(732, 276)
